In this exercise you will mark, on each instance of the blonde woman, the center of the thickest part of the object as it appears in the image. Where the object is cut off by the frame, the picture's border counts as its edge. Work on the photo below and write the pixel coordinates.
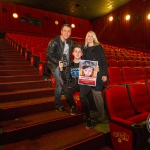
(93, 51)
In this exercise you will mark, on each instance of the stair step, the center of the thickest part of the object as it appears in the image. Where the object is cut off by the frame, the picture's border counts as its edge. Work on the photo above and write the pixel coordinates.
(54, 140)
(14, 63)
(18, 72)
(12, 67)
(11, 56)
(15, 109)
(20, 78)
(36, 125)
(14, 86)
(26, 94)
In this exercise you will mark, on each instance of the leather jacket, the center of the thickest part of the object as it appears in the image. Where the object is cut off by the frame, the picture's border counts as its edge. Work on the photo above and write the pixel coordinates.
(55, 50)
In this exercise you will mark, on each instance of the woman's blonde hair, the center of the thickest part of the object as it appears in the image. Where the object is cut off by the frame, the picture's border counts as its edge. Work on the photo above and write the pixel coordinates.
(96, 42)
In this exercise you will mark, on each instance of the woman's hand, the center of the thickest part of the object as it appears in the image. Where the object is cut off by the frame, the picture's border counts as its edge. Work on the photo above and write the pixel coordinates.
(104, 78)
(97, 69)
(61, 65)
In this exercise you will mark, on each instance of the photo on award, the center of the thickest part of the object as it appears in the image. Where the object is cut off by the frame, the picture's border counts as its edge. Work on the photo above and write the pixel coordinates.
(87, 72)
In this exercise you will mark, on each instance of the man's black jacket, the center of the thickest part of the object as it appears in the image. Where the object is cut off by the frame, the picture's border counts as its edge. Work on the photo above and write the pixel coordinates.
(55, 50)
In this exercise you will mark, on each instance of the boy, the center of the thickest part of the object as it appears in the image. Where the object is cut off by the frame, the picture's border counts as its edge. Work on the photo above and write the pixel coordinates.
(74, 86)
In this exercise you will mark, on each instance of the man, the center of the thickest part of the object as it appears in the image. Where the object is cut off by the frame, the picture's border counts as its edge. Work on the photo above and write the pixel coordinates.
(57, 47)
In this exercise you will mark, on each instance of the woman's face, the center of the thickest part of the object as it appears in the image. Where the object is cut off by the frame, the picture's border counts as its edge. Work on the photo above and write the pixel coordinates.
(90, 38)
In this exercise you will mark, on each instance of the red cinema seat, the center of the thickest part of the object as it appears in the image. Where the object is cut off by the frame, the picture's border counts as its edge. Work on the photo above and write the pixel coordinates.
(147, 72)
(111, 57)
(128, 74)
(138, 58)
(124, 120)
(133, 58)
(131, 63)
(139, 73)
(122, 63)
(115, 76)
(146, 63)
(127, 58)
(112, 63)
(119, 57)
(139, 63)
(139, 97)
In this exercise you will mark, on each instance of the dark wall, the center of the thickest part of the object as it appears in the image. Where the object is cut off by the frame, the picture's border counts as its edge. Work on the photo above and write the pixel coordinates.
(135, 32)
(7, 22)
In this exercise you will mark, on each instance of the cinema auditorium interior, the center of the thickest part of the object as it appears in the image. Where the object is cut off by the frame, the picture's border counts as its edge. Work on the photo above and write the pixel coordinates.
(28, 118)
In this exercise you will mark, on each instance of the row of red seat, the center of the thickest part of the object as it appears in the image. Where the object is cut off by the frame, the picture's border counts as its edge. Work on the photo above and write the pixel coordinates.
(127, 63)
(128, 108)
(128, 74)
(126, 57)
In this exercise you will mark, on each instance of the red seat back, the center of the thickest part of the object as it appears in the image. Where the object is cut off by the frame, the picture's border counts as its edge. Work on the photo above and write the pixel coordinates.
(139, 73)
(139, 97)
(114, 75)
(131, 63)
(128, 74)
(147, 72)
(112, 63)
(139, 63)
(122, 63)
(118, 102)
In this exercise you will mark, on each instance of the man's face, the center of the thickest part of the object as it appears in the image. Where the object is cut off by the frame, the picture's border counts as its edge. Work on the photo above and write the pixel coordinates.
(88, 71)
(66, 32)
(77, 53)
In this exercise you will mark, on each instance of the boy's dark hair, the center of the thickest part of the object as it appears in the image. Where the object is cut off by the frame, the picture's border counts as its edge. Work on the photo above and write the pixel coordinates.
(66, 25)
(78, 46)
(88, 64)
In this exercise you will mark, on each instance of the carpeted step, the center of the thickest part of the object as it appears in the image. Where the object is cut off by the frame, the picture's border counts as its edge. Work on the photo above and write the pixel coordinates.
(10, 56)
(18, 72)
(36, 125)
(9, 53)
(12, 59)
(26, 94)
(14, 86)
(57, 140)
(97, 142)
(15, 109)
(14, 63)
(13, 67)
(20, 78)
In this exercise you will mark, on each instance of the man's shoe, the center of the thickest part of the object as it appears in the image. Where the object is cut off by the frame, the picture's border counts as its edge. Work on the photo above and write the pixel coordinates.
(73, 110)
(89, 124)
(62, 109)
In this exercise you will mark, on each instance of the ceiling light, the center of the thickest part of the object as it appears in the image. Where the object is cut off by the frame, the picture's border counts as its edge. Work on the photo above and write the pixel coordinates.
(148, 16)
(15, 15)
(110, 18)
(73, 25)
(128, 17)
(56, 22)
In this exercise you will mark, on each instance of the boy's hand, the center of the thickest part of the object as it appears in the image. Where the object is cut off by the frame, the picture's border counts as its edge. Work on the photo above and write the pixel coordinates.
(61, 65)
(104, 78)
(97, 69)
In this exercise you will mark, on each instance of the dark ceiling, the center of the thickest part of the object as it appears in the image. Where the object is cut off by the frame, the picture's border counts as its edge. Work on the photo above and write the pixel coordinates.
(86, 9)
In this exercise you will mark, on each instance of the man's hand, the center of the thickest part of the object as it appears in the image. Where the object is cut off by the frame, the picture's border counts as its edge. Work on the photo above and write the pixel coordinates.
(104, 78)
(61, 65)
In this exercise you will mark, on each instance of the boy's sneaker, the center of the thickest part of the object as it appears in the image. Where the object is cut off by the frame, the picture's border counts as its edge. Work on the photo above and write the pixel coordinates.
(89, 124)
(73, 110)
